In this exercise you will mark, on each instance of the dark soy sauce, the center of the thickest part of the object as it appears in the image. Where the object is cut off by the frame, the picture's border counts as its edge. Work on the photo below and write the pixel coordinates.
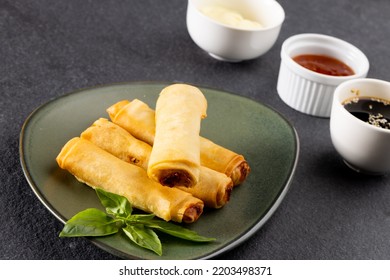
(371, 110)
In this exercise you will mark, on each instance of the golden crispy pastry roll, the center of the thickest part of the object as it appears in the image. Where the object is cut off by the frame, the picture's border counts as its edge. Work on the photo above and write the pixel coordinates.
(98, 168)
(214, 188)
(142, 123)
(224, 160)
(118, 141)
(212, 155)
(175, 157)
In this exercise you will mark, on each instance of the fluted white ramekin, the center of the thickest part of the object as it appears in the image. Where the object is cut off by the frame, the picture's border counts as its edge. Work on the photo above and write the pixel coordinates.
(310, 92)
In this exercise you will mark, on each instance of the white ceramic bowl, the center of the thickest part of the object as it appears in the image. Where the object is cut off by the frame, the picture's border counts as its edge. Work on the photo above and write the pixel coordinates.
(308, 91)
(364, 147)
(232, 44)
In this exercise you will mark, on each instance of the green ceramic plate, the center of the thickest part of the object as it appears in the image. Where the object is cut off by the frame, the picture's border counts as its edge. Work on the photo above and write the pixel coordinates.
(263, 136)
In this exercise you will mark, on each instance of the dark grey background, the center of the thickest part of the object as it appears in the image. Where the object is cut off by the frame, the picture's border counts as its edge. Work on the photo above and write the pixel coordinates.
(49, 48)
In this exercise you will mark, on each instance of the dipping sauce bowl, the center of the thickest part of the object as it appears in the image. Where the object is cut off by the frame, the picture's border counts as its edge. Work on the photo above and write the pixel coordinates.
(364, 145)
(225, 29)
(311, 91)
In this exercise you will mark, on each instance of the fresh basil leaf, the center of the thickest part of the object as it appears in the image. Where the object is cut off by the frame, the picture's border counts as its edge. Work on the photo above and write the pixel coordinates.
(144, 237)
(90, 222)
(140, 217)
(138, 227)
(115, 204)
(176, 230)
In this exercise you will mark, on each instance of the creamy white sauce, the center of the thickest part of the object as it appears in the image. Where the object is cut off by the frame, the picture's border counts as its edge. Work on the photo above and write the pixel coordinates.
(230, 17)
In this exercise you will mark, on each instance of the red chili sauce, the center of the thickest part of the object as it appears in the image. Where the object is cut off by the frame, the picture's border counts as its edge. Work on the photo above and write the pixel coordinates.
(324, 64)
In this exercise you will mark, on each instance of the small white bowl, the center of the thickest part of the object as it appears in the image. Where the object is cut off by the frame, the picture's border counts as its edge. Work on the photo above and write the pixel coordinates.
(232, 44)
(363, 146)
(310, 92)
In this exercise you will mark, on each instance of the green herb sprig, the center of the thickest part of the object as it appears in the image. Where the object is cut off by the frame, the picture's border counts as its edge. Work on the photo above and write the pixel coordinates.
(139, 228)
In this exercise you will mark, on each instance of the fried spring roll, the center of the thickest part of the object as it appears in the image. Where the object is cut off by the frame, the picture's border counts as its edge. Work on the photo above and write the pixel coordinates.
(224, 160)
(117, 141)
(175, 157)
(138, 118)
(214, 188)
(98, 168)
(142, 124)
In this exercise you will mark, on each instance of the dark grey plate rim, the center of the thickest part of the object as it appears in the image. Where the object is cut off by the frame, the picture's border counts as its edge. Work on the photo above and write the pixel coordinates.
(234, 243)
